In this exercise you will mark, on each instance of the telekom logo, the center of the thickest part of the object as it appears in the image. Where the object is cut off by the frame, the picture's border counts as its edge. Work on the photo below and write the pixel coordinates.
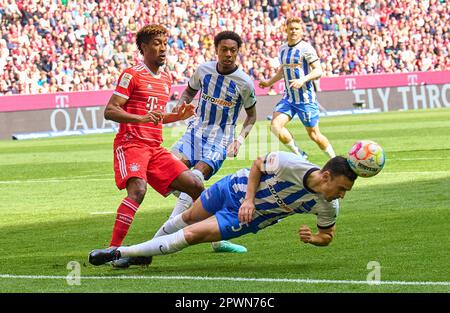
(350, 83)
(62, 101)
(412, 80)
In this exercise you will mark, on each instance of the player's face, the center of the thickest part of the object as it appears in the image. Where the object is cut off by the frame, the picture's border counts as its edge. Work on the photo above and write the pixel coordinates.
(294, 32)
(336, 187)
(155, 51)
(227, 52)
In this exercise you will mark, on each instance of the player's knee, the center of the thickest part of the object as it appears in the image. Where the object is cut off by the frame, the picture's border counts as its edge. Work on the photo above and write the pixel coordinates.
(195, 187)
(137, 189)
(191, 236)
(314, 135)
(275, 128)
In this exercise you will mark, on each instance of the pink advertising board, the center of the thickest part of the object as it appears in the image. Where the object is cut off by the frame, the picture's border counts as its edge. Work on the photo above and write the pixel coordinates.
(12, 103)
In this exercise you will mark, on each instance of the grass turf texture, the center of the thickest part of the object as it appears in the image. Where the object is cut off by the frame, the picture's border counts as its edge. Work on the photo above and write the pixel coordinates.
(399, 218)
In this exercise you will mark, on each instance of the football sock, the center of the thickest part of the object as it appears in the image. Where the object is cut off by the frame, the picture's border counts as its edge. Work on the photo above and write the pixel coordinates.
(125, 215)
(185, 201)
(293, 147)
(171, 226)
(329, 151)
(157, 246)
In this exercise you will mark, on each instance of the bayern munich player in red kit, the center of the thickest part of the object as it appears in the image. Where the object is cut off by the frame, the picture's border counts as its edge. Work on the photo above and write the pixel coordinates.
(138, 104)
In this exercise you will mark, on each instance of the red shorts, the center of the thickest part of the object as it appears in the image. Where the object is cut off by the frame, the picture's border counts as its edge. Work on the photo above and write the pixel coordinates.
(155, 165)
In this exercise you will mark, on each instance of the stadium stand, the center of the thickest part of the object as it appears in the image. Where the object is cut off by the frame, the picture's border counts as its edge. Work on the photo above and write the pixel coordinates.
(63, 45)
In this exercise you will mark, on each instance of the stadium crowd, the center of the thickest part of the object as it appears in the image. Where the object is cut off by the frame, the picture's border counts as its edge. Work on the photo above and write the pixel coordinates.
(66, 45)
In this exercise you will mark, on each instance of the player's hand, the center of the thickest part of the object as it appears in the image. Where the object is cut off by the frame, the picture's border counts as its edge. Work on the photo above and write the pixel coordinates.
(246, 211)
(233, 149)
(185, 110)
(305, 234)
(296, 83)
(152, 117)
(264, 84)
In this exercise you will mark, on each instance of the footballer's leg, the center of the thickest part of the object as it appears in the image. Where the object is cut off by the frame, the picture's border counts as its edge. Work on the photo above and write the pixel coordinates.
(204, 231)
(310, 119)
(130, 163)
(189, 150)
(209, 167)
(281, 116)
(201, 170)
(164, 181)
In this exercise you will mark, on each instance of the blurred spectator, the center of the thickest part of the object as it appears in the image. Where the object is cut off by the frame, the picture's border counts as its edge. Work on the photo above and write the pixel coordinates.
(86, 43)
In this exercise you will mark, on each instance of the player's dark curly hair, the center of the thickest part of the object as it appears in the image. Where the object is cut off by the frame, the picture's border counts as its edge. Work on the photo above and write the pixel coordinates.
(227, 35)
(147, 33)
(339, 166)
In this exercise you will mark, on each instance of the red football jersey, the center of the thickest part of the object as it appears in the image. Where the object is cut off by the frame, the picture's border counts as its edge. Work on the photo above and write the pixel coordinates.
(145, 92)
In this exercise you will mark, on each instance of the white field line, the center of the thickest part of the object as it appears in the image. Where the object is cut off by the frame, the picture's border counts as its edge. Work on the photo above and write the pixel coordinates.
(270, 280)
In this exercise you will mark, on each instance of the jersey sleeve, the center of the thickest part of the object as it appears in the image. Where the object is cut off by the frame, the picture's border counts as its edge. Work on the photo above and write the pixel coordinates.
(327, 215)
(249, 95)
(310, 54)
(276, 163)
(195, 80)
(125, 85)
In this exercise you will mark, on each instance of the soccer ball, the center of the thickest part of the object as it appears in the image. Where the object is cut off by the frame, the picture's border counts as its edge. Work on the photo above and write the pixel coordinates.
(366, 158)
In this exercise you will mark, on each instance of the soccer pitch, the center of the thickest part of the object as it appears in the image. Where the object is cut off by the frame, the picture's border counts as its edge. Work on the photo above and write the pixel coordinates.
(58, 201)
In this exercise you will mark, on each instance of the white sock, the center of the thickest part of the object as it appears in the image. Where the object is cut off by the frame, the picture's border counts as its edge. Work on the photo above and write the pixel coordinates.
(157, 246)
(329, 150)
(293, 147)
(185, 201)
(171, 225)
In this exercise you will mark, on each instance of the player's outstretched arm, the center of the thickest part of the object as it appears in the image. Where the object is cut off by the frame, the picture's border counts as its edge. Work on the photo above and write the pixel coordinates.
(114, 111)
(187, 96)
(179, 113)
(322, 238)
(273, 80)
(247, 208)
(250, 120)
(316, 73)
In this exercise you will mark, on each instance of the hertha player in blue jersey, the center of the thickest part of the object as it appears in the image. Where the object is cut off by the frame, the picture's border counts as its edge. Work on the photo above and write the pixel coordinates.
(300, 66)
(210, 136)
(278, 185)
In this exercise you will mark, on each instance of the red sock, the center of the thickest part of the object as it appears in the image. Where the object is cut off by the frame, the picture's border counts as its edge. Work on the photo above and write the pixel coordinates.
(124, 218)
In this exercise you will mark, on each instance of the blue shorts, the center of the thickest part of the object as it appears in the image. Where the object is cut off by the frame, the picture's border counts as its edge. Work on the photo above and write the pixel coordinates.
(307, 112)
(219, 201)
(196, 149)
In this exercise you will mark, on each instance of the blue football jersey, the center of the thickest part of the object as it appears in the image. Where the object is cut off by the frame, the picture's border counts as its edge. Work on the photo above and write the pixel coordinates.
(282, 191)
(295, 61)
(221, 99)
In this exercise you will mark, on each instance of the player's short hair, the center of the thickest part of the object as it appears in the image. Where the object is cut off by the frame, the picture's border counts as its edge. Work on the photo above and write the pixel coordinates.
(147, 33)
(338, 166)
(293, 19)
(227, 35)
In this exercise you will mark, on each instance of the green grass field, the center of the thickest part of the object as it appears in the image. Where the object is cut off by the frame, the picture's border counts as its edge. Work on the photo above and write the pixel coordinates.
(58, 201)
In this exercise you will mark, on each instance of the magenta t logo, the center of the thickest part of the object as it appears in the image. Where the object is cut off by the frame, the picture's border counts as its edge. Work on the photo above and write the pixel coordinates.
(62, 101)
(412, 80)
(350, 83)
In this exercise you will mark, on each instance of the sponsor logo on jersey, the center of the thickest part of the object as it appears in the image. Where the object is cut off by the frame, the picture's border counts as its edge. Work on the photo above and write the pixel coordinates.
(125, 80)
(277, 198)
(149, 87)
(217, 101)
